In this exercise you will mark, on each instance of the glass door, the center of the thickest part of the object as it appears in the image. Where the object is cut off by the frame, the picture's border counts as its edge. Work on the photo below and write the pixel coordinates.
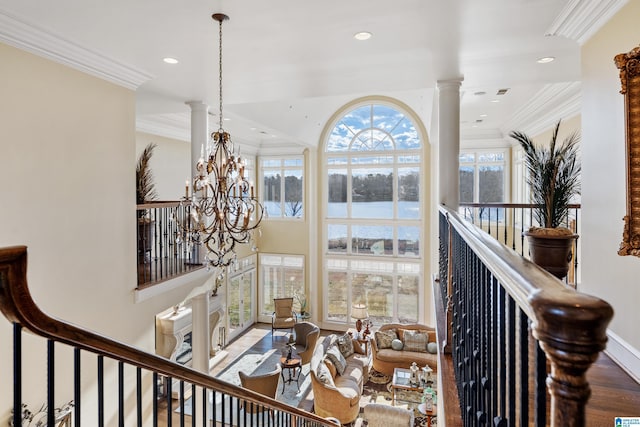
(240, 302)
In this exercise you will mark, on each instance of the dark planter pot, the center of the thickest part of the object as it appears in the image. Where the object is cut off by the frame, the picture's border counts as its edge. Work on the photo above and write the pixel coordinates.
(552, 253)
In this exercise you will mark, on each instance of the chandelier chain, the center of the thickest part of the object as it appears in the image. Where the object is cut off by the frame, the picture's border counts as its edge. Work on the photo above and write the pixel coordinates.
(220, 69)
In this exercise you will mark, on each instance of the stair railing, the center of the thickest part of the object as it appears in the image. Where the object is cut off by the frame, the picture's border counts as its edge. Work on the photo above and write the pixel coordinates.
(218, 400)
(516, 334)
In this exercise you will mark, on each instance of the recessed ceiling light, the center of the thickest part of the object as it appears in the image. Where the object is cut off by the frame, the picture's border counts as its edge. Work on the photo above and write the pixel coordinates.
(480, 93)
(226, 119)
(362, 35)
(545, 59)
(495, 100)
(170, 60)
(483, 115)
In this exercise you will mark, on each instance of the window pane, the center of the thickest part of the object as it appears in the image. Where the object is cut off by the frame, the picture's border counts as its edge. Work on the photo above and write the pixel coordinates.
(293, 193)
(408, 241)
(292, 162)
(491, 183)
(271, 163)
(271, 193)
(467, 157)
(340, 138)
(386, 118)
(379, 296)
(491, 157)
(406, 136)
(337, 206)
(337, 238)
(337, 296)
(337, 161)
(408, 193)
(271, 288)
(466, 184)
(372, 240)
(408, 296)
(372, 193)
(371, 160)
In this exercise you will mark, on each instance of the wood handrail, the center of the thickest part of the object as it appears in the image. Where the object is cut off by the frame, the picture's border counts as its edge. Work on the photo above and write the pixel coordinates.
(570, 326)
(18, 306)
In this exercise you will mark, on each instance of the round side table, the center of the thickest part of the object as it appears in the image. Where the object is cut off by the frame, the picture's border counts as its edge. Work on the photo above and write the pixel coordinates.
(294, 367)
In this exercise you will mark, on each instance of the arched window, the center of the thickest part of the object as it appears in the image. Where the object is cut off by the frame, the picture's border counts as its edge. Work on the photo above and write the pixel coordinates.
(373, 215)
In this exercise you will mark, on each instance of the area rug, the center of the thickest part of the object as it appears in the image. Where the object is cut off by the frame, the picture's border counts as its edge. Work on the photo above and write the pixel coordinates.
(254, 363)
(378, 390)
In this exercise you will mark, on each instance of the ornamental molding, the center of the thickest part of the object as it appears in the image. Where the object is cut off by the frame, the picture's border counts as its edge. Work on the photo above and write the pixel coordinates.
(580, 19)
(552, 103)
(26, 36)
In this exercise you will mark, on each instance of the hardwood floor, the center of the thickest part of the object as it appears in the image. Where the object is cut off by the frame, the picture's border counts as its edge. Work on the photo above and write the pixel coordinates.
(614, 392)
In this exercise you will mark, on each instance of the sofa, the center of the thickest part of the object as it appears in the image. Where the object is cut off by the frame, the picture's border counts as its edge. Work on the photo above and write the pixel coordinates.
(416, 347)
(337, 386)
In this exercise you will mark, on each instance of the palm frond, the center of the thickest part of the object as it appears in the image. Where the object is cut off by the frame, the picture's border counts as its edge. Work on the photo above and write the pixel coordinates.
(553, 175)
(145, 186)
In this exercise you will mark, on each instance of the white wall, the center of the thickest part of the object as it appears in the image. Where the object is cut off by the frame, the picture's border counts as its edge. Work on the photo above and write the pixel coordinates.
(67, 181)
(605, 274)
(170, 164)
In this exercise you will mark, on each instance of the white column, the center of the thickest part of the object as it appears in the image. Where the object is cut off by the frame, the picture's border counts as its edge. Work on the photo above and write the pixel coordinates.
(199, 131)
(449, 142)
(200, 338)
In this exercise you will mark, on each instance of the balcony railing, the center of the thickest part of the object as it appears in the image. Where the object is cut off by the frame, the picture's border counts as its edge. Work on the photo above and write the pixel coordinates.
(112, 383)
(520, 340)
(507, 221)
(160, 254)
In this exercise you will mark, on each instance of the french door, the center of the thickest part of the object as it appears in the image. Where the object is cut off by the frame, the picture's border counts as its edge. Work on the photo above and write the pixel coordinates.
(241, 302)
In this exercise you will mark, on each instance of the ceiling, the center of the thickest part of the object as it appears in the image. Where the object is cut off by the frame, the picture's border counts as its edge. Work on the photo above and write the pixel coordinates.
(289, 65)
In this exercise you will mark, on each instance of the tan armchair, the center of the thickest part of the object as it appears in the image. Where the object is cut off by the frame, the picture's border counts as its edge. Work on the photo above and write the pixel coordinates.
(266, 384)
(283, 315)
(306, 337)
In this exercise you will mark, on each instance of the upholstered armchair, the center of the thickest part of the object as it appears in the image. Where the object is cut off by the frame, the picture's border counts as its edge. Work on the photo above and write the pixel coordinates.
(379, 415)
(306, 337)
(283, 315)
(266, 384)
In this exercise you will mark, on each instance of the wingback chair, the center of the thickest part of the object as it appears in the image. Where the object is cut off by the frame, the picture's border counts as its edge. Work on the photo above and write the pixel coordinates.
(266, 384)
(283, 316)
(306, 337)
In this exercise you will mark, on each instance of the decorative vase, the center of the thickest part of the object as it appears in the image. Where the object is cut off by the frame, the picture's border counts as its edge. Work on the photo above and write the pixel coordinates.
(552, 253)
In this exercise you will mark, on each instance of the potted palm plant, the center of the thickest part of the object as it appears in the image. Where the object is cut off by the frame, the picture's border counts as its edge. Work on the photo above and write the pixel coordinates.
(554, 180)
(145, 193)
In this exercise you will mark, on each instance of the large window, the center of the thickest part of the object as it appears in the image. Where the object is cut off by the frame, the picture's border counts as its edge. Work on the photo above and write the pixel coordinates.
(483, 177)
(281, 276)
(373, 220)
(282, 194)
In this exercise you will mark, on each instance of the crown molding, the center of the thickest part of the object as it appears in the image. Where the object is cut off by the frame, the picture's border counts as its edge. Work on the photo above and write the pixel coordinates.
(26, 36)
(580, 19)
(555, 101)
(174, 126)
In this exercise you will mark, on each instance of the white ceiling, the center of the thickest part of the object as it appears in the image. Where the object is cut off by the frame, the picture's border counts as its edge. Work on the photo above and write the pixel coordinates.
(288, 65)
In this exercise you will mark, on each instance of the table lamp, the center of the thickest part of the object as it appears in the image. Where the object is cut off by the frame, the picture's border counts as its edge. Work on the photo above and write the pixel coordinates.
(359, 312)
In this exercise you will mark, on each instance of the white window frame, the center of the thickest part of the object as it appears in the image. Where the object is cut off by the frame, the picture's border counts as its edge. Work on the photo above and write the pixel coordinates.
(282, 169)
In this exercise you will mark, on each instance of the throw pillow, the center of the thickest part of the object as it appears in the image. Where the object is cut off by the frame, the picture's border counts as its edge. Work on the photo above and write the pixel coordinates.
(333, 353)
(415, 341)
(432, 347)
(345, 345)
(397, 344)
(331, 367)
(324, 376)
(384, 338)
(357, 347)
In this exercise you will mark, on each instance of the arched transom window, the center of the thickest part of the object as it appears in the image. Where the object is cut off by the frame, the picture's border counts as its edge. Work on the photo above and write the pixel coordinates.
(373, 215)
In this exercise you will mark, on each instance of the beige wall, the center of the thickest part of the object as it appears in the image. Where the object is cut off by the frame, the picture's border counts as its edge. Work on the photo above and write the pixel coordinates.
(605, 274)
(170, 164)
(67, 180)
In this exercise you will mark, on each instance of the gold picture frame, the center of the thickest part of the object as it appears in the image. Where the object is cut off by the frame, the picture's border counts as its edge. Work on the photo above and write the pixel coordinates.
(629, 66)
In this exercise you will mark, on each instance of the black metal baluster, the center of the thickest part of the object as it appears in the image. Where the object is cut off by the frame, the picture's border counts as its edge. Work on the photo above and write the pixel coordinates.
(181, 403)
(204, 405)
(501, 392)
(51, 383)
(17, 374)
(121, 394)
(541, 387)
(169, 396)
(524, 368)
(77, 392)
(101, 391)
(193, 414)
(139, 396)
(512, 390)
(155, 399)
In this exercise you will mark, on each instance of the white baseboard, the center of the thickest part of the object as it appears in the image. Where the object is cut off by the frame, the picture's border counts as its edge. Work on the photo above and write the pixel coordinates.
(627, 357)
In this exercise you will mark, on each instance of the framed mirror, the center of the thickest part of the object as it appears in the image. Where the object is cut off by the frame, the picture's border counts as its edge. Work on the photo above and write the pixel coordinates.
(629, 66)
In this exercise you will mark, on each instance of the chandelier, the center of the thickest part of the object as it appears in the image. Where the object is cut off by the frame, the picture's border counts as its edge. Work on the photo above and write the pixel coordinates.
(221, 209)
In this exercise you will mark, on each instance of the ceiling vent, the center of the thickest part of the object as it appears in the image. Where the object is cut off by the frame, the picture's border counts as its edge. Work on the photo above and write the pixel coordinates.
(502, 91)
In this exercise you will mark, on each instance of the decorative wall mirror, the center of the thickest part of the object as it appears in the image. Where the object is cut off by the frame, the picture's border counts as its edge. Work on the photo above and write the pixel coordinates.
(629, 66)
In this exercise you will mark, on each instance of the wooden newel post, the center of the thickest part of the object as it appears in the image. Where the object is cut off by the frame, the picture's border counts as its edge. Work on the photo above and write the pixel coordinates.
(572, 330)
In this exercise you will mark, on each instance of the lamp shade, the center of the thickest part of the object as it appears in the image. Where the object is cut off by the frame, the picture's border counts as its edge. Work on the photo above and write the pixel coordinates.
(359, 311)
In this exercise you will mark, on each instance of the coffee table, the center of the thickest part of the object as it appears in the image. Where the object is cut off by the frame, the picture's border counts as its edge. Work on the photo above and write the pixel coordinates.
(294, 367)
(400, 381)
(432, 413)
